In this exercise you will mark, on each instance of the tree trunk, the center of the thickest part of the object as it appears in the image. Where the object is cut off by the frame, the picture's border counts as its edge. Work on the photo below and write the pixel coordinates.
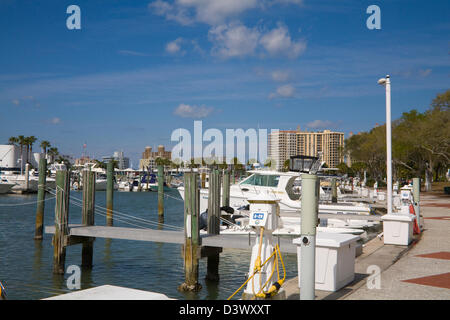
(428, 175)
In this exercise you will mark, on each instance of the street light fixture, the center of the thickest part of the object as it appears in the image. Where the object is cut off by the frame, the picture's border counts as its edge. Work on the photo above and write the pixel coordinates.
(304, 164)
(386, 82)
(308, 167)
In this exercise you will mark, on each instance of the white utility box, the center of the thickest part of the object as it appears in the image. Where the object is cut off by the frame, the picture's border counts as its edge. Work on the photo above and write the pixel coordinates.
(398, 228)
(381, 196)
(335, 260)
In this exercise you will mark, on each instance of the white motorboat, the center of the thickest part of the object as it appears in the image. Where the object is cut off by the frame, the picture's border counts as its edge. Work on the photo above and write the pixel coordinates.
(5, 187)
(280, 184)
(101, 184)
(290, 225)
(19, 181)
(148, 182)
(124, 186)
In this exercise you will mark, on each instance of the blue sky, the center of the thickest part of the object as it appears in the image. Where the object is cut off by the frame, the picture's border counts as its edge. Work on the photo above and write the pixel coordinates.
(137, 70)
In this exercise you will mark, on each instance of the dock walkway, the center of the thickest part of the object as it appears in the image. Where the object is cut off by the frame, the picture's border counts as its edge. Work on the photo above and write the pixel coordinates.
(419, 271)
(238, 241)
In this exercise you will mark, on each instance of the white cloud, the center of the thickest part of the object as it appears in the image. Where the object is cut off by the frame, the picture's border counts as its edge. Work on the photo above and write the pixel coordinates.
(212, 12)
(27, 101)
(132, 53)
(288, 1)
(280, 75)
(321, 124)
(187, 111)
(171, 12)
(278, 42)
(55, 120)
(230, 39)
(284, 91)
(234, 40)
(425, 73)
(237, 40)
(174, 46)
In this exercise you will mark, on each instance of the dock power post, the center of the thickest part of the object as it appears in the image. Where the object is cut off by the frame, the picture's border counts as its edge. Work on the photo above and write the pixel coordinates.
(309, 222)
(416, 199)
(264, 211)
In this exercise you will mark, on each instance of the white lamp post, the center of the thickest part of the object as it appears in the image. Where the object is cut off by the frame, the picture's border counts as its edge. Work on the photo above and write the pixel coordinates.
(387, 83)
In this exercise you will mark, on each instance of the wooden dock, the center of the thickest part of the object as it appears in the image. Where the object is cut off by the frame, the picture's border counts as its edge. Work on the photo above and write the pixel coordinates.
(194, 244)
(228, 241)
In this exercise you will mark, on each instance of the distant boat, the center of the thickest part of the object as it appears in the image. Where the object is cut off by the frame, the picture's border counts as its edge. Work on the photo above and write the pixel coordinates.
(5, 187)
(125, 186)
(149, 182)
(19, 181)
(101, 184)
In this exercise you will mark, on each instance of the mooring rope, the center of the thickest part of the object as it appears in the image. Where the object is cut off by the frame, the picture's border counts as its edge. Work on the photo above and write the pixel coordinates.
(24, 204)
(123, 216)
(172, 197)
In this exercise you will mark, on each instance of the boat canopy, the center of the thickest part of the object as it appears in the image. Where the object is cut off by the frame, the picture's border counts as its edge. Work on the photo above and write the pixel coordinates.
(262, 180)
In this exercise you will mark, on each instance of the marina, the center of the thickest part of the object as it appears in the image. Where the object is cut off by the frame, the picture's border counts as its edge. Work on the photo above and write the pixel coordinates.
(236, 241)
(221, 158)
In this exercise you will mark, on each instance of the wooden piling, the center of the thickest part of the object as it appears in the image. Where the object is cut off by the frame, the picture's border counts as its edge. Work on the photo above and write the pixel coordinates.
(226, 189)
(61, 221)
(333, 190)
(191, 233)
(27, 177)
(203, 180)
(160, 193)
(38, 230)
(87, 217)
(109, 193)
(213, 256)
(214, 202)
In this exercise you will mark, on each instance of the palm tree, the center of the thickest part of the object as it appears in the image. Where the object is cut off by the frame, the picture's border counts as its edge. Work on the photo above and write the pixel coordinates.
(27, 146)
(45, 145)
(13, 140)
(31, 141)
(21, 143)
(53, 152)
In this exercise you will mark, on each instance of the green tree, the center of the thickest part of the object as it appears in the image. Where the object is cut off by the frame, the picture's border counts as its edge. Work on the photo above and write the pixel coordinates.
(13, 140)
(286, 165)
(358, 168)
(30, 141)
(21, 141)
(343, 168)
(420, 144)
(44, 146)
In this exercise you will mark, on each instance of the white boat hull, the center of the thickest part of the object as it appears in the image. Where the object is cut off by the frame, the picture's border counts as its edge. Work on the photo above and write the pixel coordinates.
(5, 187)
(286, 205)
(19, 183)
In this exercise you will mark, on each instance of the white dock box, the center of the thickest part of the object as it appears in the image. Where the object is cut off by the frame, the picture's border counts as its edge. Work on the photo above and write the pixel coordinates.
(398, 228)
(335, 260)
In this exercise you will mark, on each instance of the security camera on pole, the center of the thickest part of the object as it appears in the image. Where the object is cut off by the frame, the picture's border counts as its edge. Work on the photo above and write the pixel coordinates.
(308, 167)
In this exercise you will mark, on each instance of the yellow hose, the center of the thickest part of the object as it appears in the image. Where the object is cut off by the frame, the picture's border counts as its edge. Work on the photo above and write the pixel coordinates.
(257, 268)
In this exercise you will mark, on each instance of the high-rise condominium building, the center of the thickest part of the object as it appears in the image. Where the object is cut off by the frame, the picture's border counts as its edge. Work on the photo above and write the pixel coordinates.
(326, 144)
(149, 157)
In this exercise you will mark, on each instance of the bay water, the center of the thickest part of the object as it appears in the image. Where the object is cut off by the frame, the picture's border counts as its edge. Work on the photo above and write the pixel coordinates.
(26, 264)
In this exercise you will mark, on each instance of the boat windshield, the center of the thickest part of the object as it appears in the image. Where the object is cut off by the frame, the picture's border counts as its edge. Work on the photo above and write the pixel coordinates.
(262, 180)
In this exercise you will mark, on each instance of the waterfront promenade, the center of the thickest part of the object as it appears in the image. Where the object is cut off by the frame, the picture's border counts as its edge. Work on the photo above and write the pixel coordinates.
(420, 271)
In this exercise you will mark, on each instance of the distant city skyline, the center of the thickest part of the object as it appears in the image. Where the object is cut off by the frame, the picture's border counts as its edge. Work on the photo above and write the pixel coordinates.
(136, 71)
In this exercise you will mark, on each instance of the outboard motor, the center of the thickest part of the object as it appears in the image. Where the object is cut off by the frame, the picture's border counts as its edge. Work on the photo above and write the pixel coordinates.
(203, 221)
